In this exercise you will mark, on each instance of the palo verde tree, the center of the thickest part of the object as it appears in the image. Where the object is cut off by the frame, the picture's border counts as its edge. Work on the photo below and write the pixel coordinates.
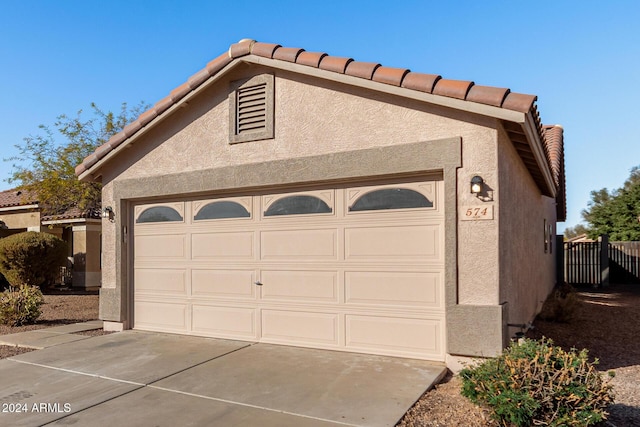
(45, 163)
(617, 212)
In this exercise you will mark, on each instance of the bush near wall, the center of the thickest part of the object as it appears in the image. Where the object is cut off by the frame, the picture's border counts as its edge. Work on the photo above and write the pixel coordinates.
(31, 258)
(20, 306)
(536, 383)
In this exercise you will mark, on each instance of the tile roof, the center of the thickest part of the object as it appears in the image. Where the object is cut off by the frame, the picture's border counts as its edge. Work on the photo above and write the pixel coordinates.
(554, 137)
(14, 197)
(427, 83)
(74, 213)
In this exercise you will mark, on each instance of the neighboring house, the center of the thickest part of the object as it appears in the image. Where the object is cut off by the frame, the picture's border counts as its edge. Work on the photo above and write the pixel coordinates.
(297, 198)
(81, 231)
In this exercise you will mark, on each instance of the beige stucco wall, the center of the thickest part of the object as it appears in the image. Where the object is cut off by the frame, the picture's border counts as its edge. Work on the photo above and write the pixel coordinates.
(527, 272)
(29, 219)
(86, 255)
(315, 117)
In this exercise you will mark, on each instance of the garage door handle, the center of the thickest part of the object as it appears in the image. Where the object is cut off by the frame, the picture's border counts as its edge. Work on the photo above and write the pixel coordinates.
(258, 283)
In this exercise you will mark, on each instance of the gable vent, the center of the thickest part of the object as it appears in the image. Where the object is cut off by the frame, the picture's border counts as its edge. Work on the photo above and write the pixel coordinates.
(252, 109)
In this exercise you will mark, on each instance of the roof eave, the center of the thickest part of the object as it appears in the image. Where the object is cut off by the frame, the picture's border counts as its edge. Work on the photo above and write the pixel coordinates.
(530, 128)
(525, 120)
(93, 173)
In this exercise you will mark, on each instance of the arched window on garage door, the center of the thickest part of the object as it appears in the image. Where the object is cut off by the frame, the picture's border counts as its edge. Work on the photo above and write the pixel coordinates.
(390, 198)
(298, 205)
(159, 214)
(222, 209)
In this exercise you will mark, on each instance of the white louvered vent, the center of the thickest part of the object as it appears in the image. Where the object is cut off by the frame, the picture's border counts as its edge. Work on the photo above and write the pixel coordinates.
(251, 109)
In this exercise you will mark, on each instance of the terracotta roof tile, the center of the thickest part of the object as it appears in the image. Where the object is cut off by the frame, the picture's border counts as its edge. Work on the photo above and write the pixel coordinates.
(198, 78)
(287, 53)
(132, 128)
(264, 49)
(420, 81)
(519, 102)
(163, 105)
(363, 70)
(73, 213)
(147, 116)
(390, 76)
(116, 139)
(335, 63)
(242, 48)
(487, 95)
(554, 141)
(311, 59)
(218, 64)
(178, 93)
(15, 197)
(452, 88)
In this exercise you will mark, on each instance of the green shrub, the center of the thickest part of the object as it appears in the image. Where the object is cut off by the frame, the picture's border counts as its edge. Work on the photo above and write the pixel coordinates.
(536, 383)
(19, 306)
(31, 258)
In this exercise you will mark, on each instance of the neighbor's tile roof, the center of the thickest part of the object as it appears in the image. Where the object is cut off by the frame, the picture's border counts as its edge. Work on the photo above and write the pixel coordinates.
(400, 77)
(74, 213)
(13, 197)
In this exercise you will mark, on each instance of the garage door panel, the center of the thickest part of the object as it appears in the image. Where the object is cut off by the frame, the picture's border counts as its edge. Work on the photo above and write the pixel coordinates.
(300, 286)
(309, 244)
(161, 281)
(290, 327)
(224, 322)
(223, 283)
(223, 245)
(411, 336)
(357, 268)
(394, 288)
(161, 246)
(161, 316)
(394, 242)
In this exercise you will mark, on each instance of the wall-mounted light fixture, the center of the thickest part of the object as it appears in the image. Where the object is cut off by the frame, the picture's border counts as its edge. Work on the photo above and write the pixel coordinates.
(477, 185)
(108, 213)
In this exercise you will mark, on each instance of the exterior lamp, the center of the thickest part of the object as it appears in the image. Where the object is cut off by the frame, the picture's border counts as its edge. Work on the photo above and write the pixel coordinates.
(108, 213)
(477, 183)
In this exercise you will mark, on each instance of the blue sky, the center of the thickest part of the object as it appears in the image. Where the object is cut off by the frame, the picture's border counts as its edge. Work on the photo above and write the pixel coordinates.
(582, 59)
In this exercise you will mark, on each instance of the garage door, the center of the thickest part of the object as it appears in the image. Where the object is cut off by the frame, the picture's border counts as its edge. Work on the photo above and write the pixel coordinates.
(358, 268)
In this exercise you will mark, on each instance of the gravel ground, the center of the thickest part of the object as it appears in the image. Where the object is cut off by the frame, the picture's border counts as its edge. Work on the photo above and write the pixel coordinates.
(606, 322)
(58, 309)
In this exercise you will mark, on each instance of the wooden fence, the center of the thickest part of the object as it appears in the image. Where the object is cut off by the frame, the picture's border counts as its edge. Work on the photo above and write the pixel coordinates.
(602, 262)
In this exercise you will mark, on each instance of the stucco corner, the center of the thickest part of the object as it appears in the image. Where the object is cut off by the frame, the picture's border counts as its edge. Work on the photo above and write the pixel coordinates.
(111, 305)
(477, 330)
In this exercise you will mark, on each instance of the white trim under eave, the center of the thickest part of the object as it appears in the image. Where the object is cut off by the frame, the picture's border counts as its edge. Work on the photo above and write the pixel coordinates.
(72, 221)
(531, 132)
(18, 208)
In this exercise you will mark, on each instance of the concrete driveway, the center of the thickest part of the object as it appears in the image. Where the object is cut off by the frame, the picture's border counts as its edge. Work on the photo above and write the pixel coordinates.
(138, 378)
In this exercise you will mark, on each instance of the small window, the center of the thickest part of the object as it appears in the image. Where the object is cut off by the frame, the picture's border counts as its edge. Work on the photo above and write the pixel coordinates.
(297, 205)
(222, 209)
(159, 214)
(251, 109)
(391, 198)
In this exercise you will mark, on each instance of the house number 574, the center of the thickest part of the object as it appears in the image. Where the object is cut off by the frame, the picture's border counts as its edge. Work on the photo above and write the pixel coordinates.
(477, 212)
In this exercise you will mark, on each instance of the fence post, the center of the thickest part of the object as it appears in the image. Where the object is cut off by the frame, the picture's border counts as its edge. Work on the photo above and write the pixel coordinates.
(604, 260)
